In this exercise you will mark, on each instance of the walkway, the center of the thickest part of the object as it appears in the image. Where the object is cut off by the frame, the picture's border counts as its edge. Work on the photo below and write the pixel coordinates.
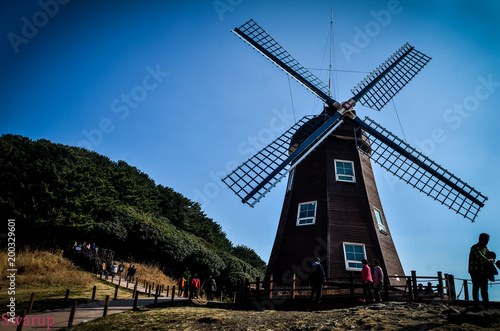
(85, 312)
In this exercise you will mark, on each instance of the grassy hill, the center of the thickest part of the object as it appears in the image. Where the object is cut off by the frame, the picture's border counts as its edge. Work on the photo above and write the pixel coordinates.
(60, 194)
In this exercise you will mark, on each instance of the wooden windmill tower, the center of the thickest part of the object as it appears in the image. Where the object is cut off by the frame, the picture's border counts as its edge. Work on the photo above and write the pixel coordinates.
(332, 209)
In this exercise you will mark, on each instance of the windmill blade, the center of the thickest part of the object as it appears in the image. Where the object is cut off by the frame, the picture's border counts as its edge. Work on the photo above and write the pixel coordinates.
(254, 35)
(379, 87)
(258, 175)
(416, 169)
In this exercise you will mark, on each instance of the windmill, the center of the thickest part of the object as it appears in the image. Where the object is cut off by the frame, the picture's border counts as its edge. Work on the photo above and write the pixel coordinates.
(332, 209)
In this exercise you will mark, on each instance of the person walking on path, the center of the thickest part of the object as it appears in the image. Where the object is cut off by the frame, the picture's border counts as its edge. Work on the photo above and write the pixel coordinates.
(103, 269)
(478, 270)
(211, 288)
(181, 284)
(121, 267)
(367, 280)
(114, 270)
(132, 273)
(318, 280)
(195, 286)
(378, 280)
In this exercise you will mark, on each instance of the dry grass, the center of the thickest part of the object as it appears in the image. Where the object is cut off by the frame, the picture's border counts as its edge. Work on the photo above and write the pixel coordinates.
(49, 275)
(35, 268)
(150, 273)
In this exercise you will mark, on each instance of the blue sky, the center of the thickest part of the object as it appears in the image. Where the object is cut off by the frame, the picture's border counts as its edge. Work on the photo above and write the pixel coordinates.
(166, 87)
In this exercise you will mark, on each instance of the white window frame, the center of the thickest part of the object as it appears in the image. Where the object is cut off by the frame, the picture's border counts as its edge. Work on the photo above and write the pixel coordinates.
(380, 219)
(304, 218)
(290, 180)
(337, 175)
(347, 267)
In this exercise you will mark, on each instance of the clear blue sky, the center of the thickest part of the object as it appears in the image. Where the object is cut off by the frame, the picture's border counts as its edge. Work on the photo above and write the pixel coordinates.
(166, 87)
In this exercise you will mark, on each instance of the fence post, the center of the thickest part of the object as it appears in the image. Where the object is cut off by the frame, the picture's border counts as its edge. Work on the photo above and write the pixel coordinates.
(135, 300)
(66, 297)
(386, 285)
(221, 296)
(247, 290)
(466, 290)
(116, 292)
(173, 292)
(119, 280)
(106, 305)
(414, 284)
(238, 292)
(271, 287)
(410, 290)
(156, 294)
(93, 292)
(257, 288)
(451, 288)
(440, 285)
(30, 307)
(134, 293)
(21, 321)
(294, 279)
(351, 285)
(72, 315)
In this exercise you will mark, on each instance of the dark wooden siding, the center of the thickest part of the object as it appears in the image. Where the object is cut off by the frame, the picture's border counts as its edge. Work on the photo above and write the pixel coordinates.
(344, 214)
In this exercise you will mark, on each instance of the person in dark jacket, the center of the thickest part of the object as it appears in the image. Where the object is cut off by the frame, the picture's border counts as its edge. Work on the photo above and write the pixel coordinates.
(317, 279)
(211, 287)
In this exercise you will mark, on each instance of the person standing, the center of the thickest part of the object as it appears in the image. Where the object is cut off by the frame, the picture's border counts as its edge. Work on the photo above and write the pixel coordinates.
(195, 286)
(132, 273)
(367, 280)
(103, 269)
(211, 288)
(478, 270)
(121, 267)
(180, 284)
(114, 271)
(378, 280)
(318, 280)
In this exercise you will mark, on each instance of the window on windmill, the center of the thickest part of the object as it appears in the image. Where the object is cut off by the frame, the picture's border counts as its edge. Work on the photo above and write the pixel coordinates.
(307, 213)
(353, 254)
(344, 171)
(290, 180)
(380, 222)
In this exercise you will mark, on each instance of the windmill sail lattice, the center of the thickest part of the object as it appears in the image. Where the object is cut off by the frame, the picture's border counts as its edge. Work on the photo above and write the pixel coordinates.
(254, 35)
(379, 87)
(414, 168)
(252, 180)
(258, 175)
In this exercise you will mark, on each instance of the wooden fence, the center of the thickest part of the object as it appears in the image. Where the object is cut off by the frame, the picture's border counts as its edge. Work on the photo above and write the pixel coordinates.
(349, 289)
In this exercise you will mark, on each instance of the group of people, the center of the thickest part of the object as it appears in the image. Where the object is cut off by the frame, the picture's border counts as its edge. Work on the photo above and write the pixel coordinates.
(482, 268)
(112, 269)
(372, 278)
(192, 287)
(84, 247)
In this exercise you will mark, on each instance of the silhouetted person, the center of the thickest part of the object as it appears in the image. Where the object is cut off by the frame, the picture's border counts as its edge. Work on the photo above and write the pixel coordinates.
(318, 279)
(478, 270)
